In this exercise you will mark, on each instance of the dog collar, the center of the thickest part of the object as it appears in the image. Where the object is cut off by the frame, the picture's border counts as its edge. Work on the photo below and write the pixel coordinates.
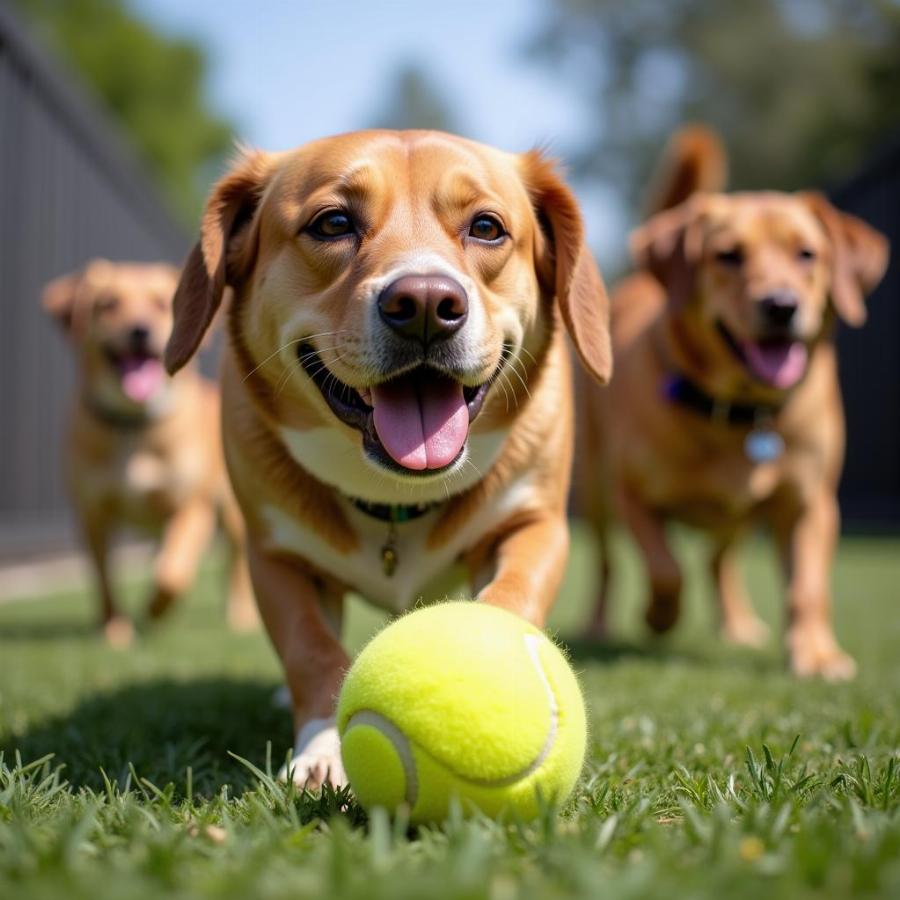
(394, 514)
(761, 445)
(679, 389)
(115, 419)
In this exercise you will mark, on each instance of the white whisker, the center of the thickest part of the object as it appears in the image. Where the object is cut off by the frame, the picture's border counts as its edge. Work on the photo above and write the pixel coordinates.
(505, 376)
(290, 344)
(515, 372)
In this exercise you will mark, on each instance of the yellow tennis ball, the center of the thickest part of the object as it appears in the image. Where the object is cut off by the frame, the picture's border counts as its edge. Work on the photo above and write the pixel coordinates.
(461, 700)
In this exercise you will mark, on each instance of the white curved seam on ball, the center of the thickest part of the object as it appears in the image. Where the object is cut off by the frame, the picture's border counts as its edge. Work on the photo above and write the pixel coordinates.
(400, 742)
(532, 646)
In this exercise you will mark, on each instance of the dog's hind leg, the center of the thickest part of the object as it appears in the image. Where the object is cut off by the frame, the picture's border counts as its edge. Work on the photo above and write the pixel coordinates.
(591, 500)
(186, 537)
(597, 628)
(738, 623)
(116, 627)
(649, 530)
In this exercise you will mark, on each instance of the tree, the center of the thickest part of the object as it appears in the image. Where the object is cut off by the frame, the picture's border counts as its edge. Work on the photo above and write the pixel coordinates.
(152, 84)
(801, 90)
(413, 100)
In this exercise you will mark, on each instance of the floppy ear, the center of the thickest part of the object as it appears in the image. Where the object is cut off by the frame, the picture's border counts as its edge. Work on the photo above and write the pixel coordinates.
(58, 298)
(67, 298)
(859, 258)
(223, 255)
(566, 267)
(669, 246)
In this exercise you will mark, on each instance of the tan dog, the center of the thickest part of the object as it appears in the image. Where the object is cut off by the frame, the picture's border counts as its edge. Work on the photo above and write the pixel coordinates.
(397, 387)
(725, 409)
(144, 449)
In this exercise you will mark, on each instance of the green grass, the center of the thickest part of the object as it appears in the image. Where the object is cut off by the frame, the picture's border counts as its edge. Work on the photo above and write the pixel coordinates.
(711, 772)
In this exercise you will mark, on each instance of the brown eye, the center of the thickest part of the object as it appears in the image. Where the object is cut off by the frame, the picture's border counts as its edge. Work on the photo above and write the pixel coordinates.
(733, 258)
(331, 225)
(107, 304)
(486, 228)
(806, 255)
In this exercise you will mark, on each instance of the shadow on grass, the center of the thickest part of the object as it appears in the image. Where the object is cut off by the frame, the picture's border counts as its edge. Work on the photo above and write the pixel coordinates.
(713, 655)
(611, 650)
(161, 728)
(48, 631)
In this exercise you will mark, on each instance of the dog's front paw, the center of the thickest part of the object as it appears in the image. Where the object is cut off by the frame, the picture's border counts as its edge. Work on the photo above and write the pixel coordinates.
(813, 651)
(745, 631)
(317, 757)
(119, 632)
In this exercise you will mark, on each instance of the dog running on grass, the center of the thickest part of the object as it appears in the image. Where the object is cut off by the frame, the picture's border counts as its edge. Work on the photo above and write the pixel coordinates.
(397, 388)
(725, 410)
(143, 449)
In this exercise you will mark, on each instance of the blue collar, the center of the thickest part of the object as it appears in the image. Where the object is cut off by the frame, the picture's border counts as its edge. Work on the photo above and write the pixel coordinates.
(681, 390)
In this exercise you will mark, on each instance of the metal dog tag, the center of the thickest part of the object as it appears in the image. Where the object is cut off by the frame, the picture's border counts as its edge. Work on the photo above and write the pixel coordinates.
(763, 445)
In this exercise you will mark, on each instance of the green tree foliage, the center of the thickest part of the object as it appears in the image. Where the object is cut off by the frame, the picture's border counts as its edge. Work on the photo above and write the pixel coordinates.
(413, 100)
(152, 84)
(801, 90)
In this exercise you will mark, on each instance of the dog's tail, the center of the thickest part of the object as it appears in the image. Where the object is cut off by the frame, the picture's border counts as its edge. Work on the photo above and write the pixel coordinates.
(693, 161)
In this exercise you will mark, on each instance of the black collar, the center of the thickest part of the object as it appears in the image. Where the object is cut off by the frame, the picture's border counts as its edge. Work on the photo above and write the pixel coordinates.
(391, 512)
(121, 421)
(679, 389)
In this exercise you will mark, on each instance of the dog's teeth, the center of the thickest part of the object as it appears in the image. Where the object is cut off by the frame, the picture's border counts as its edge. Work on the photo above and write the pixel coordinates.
(366, 395)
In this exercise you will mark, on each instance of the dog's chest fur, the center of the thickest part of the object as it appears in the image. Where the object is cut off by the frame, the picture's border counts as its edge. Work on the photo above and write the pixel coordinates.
(142, 483)
(731, 488)
(418, 564)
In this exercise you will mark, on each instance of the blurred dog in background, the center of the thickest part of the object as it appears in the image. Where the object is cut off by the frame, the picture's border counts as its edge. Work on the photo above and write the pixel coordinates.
(144, 449)
(725, 409)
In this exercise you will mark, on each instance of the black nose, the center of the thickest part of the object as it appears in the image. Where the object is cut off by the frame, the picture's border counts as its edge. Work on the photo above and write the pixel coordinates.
(138, 338)
(425, 308)
(778, 308)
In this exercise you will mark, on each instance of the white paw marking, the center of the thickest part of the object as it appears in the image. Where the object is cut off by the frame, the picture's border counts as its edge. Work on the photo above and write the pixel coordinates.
(317, 756)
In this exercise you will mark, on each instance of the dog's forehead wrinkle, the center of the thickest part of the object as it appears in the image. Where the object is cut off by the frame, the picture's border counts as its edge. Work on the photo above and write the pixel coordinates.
(757, 230)
(764, 212)
(459, 187)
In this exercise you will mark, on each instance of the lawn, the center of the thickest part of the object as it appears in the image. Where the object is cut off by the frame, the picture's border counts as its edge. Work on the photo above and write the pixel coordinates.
(711, 772)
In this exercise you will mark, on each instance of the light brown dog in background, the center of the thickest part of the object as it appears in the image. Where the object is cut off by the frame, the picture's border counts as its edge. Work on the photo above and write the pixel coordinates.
(143, 449)
(725, 409)
(397, 388)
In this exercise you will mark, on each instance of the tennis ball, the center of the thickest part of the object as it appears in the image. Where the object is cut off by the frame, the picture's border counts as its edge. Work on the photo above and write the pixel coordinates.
(461, 700)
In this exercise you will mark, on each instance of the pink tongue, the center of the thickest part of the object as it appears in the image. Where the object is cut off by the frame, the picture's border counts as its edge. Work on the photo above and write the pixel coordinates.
(140, 378)
(422, 422)
(782, 365)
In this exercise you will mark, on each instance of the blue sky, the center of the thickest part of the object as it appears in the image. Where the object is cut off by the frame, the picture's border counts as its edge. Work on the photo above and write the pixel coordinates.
(287, 72)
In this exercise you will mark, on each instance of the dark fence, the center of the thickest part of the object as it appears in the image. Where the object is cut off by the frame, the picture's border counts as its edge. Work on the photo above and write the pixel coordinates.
(870, 359)
(69, 190)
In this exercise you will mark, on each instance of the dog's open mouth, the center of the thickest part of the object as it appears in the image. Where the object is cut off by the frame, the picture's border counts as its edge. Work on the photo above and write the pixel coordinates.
(140, 374)
(417, 421)
(777, 362)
